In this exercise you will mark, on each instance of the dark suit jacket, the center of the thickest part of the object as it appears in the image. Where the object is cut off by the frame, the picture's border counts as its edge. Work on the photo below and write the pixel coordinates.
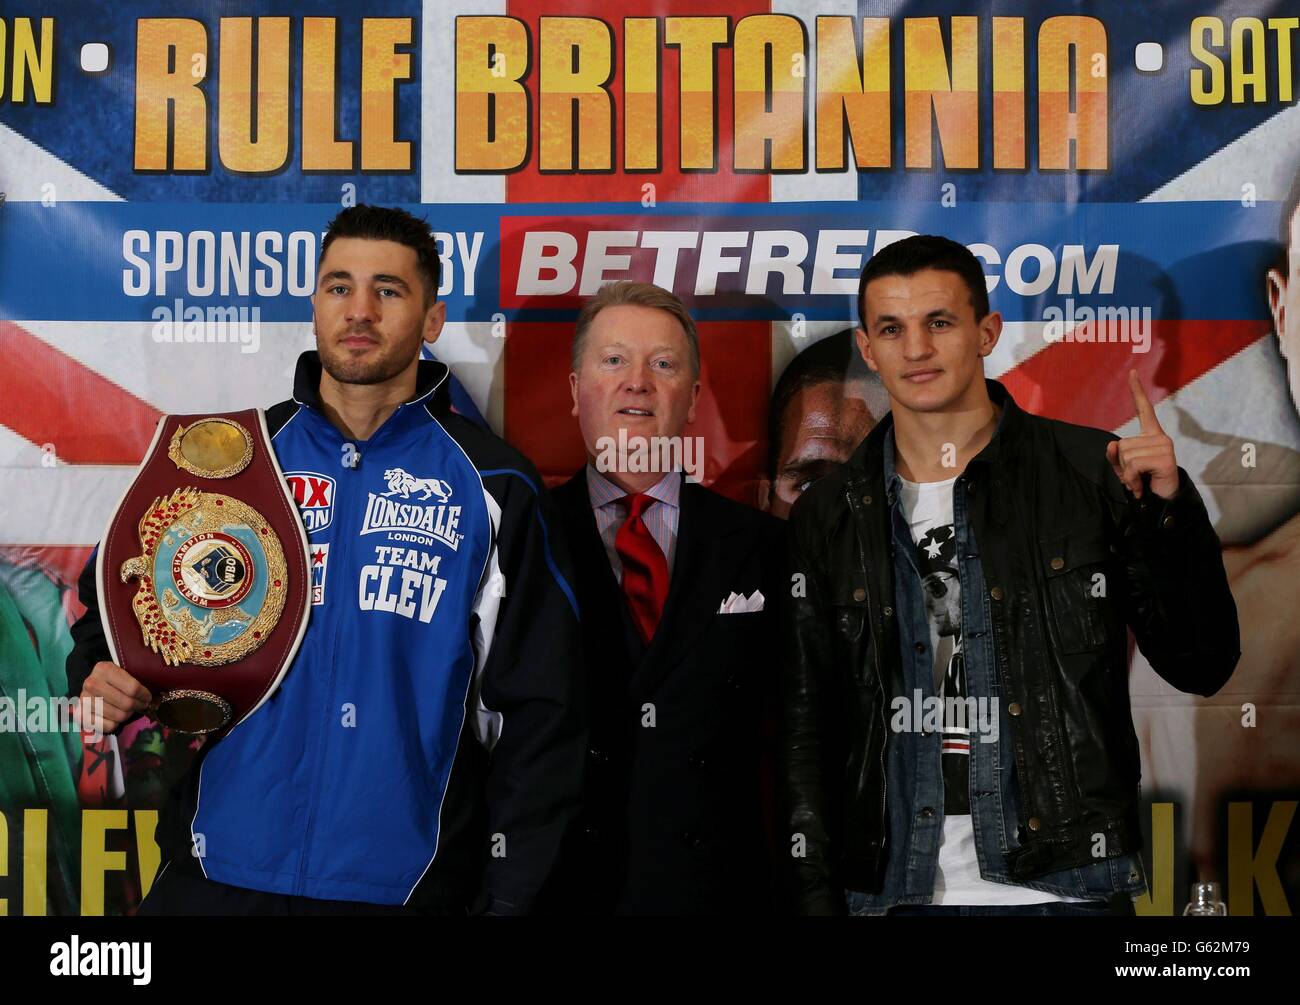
(674, 810)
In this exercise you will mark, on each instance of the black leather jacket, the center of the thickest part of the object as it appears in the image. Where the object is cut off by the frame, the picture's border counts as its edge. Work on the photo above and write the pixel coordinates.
(1048, 513)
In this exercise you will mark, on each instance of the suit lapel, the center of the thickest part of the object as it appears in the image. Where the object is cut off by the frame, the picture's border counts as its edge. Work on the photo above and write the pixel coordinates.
(587, 546)
(602, 605)
(701, 567)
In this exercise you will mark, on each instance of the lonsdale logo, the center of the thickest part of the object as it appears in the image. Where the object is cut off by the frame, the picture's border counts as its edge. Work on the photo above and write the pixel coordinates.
(438, 521)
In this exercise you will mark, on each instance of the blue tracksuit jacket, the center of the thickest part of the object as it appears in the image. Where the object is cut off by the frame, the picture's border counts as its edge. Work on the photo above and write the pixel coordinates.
(427, 744)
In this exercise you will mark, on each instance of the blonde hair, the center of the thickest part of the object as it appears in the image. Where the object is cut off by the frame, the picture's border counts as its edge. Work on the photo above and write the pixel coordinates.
(634, 294)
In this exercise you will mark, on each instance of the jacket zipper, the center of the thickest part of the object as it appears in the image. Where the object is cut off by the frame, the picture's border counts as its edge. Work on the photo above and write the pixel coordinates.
(332, 654)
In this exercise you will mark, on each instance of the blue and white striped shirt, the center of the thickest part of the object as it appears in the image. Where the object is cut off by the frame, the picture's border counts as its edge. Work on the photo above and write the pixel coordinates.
(610, 507)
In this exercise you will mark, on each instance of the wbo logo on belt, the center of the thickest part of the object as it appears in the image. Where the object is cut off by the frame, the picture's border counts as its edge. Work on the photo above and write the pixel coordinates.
(221, 579)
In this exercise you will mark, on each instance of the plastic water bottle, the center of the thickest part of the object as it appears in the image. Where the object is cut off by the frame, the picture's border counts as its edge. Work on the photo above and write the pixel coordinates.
(1205, 901)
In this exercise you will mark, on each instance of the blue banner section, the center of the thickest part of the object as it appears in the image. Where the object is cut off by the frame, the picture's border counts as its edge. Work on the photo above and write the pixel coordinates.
(124, 262)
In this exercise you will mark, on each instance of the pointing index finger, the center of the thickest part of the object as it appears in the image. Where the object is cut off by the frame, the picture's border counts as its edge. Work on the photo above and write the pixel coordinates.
(1146, 413)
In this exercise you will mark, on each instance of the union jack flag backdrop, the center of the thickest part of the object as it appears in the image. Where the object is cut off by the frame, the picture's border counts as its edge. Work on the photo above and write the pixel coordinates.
(698, 145)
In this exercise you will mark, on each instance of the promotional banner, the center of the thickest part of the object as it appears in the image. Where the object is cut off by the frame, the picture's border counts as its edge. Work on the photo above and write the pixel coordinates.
(1126, 175)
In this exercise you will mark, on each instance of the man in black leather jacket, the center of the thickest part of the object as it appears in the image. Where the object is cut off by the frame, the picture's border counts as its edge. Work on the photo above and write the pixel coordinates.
(956, 727)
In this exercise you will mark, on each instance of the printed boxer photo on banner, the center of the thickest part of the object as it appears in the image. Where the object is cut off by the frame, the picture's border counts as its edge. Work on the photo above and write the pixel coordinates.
(824, 403)
(1241, 748)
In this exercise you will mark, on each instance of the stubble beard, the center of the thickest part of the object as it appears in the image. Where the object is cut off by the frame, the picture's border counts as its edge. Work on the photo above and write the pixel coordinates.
(377, 368)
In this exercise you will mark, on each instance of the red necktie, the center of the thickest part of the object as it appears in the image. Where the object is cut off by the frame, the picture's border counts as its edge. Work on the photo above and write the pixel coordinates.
(645, 570)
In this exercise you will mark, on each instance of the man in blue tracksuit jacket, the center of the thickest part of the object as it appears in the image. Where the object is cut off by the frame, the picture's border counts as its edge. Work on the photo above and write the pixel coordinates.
(426, 747)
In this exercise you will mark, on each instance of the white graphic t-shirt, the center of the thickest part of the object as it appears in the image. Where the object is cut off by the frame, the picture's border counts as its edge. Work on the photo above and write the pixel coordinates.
(927, 508)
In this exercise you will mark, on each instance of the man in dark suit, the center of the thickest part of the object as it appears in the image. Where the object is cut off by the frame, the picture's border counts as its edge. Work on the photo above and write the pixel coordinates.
(677, 587)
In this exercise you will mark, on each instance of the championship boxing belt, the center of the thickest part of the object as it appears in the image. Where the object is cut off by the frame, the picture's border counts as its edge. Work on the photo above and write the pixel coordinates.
(202, 573)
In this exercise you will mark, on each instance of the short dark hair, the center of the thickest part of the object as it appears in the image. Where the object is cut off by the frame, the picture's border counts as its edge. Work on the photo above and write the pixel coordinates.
(385, 223)
(832, 360)
(925, 251)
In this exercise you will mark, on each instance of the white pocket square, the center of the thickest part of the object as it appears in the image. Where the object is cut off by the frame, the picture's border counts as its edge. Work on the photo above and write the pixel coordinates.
(738, 603)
